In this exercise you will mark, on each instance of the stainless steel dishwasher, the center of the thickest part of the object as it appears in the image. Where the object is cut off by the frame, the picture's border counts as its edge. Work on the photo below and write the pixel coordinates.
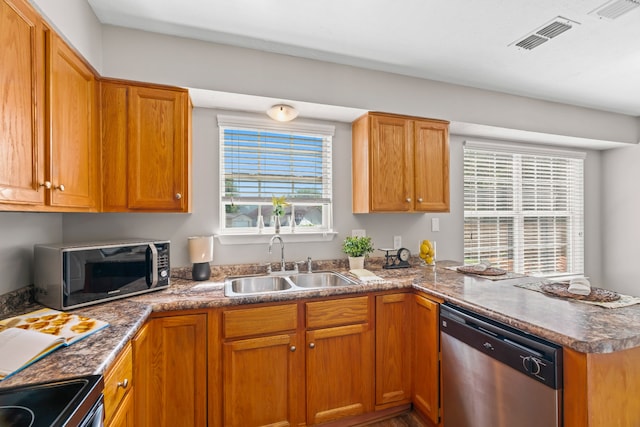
(496, 376)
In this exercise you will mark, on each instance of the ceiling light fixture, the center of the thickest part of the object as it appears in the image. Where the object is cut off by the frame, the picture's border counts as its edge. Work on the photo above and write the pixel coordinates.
(282, 113)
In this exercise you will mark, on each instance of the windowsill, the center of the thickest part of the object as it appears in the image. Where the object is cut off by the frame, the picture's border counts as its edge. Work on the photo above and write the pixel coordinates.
(299, 237)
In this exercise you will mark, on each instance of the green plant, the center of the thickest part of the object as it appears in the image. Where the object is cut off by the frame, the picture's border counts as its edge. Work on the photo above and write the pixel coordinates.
(278, 205)
(357, 246)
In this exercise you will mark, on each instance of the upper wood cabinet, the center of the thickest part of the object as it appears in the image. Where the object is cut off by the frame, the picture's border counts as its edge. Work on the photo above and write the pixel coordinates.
(72, 117)
(146, 147)
(400, 164)
(44, 84)
(22, 88)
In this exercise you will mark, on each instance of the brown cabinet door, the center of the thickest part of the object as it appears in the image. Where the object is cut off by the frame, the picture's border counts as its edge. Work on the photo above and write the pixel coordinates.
(74, 159)
(173, 373)
(143, 375)
(124, 416)
(393, 349)
(114, 118)
(339, 372)
(158, 149)
(22, 104)
(391, 172)
(426, 380)
(431, 165)
(261, 381)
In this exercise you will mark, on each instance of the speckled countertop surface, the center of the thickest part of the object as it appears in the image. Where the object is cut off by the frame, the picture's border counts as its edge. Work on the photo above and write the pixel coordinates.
(582, 327)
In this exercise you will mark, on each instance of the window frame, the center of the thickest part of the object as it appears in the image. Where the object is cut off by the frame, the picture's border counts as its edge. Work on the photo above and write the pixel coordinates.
(519, 214)
(232, 235)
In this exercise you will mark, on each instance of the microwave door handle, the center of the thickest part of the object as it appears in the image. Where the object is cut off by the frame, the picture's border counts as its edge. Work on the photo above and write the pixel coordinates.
(152, 278)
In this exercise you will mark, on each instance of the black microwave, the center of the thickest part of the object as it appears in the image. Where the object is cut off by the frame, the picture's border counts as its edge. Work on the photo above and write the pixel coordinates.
(68, 276)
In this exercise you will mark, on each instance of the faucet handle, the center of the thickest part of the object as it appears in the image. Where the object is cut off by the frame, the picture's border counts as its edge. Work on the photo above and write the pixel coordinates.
(309, 264)
(295, 266)
(268, 265)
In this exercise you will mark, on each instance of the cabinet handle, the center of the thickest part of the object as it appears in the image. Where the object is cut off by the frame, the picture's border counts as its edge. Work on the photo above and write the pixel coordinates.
(46, 184)
(292, 348)
(419, 199)
(312, 345)
(59, 187)
(178, 196)
(408, 199)
(123, 384)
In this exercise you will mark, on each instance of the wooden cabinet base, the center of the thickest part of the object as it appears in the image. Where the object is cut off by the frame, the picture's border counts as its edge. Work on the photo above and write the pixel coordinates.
(602, 389)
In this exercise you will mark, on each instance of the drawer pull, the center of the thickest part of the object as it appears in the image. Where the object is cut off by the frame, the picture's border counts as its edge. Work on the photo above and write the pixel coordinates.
(123, 384)
(292, 348)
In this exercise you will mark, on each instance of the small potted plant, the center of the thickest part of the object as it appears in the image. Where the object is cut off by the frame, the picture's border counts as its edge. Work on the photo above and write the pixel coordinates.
(279, 204)
(357, 248)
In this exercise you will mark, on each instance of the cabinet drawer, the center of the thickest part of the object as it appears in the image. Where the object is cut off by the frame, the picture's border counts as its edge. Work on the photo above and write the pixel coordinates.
(262, 320)
(117, 382)
(321, 314)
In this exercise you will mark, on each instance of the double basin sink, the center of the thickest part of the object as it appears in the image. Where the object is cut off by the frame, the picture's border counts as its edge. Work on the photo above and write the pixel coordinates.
(284, 282)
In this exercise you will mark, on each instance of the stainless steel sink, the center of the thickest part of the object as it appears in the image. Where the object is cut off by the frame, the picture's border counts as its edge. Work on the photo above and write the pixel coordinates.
(321, 279)
(259, 284)
(284, 282)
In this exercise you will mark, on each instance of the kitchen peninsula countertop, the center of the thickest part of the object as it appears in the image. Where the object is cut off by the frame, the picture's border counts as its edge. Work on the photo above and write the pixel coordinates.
(581, 327)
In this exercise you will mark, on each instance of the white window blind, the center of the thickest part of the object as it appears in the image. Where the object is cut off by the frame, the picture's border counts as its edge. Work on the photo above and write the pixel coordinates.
(524, 209)
(263, 161)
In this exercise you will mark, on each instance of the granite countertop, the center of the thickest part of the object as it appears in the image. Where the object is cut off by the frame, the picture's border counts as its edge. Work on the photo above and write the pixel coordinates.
(582, 327)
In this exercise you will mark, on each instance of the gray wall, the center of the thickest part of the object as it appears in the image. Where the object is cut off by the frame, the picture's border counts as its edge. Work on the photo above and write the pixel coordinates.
(144, 56)
(20, 231)
(75, 21)
(621, 218)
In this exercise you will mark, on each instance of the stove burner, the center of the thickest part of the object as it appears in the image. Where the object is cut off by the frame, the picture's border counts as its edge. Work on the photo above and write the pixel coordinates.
(16, 416)
(57, 403)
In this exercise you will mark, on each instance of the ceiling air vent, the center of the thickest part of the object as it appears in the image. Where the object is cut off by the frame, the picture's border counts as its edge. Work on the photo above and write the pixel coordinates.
(545, 33)
(615, 8)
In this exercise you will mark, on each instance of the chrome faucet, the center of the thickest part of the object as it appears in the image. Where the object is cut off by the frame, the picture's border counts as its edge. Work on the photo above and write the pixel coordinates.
(277, 236)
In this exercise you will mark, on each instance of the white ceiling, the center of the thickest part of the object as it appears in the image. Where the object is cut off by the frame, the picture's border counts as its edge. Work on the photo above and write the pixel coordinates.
(595, 64)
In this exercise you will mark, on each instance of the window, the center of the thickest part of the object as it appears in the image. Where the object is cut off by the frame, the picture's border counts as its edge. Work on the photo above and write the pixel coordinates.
(524, 209)
(260, 160)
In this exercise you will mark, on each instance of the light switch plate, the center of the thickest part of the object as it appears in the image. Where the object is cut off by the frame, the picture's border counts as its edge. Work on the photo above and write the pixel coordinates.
(435, 224)
(397, 242)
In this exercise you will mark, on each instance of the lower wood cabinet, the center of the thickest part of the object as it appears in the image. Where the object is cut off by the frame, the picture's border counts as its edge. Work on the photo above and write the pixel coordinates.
(393, 349)
(125, 416)
(288, 364)
(426, 358)
(339, 349)
(261, 382)
(171, 371)
(118, 390)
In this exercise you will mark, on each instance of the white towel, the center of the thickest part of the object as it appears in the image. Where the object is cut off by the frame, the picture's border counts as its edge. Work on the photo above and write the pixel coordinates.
(366, 276)
(579, 286)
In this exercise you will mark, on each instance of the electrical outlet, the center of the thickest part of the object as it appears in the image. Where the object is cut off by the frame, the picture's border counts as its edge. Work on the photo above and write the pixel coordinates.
(435, 224)
(358, 233)
(397, 242)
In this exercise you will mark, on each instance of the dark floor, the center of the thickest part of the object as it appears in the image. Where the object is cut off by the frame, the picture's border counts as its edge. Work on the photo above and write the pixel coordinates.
(406, 420)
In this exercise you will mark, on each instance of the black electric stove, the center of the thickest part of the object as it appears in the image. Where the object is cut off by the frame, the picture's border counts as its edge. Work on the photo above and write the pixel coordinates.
(70, 402)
